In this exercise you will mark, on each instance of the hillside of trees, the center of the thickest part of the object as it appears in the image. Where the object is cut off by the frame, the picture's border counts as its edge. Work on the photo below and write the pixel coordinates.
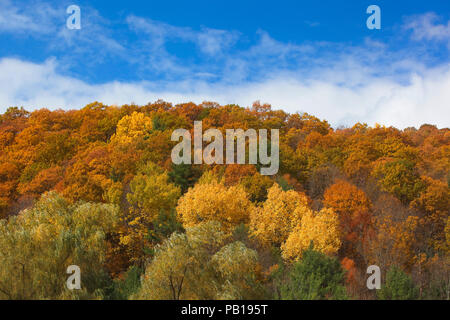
(96, 188)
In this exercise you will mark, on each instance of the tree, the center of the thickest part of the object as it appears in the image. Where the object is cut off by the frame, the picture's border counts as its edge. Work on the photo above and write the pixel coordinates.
(318, 228)
(44, 181)
(169, 273)
(274, 220)
(345, 198)
(236, 268)
(315, 277)
(257, 187)
(354, 213)
(88, 177)
(39, 244)
(399, 177)
(201, 264)
(394, 242)
(322, 178)
(399, 286)
(125, 286)
(433, 278)
(8, 183)
(214, 201)
(234, 173)
(132, 129)
(151, 194)
(434, 203)
(184, 176)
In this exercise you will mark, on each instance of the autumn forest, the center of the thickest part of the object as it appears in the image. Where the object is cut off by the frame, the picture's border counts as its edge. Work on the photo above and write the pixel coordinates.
(97, 188)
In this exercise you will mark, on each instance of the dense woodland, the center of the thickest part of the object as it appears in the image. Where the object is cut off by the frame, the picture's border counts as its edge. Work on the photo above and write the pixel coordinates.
(96, 188)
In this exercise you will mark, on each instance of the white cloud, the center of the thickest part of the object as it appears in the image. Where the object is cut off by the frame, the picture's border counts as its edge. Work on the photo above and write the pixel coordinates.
(424, 99)
(426, 27)
(209, 41)
(150, 52)
(214, 41)
(36, 19)
(47, 23)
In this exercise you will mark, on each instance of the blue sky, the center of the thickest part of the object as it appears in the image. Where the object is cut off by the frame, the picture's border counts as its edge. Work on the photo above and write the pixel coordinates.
(301, 56)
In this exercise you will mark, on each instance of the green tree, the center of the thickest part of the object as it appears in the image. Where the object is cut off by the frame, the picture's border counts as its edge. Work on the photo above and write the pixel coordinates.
(315, 277)
(122, 288)
(399, 286)
(184, 176)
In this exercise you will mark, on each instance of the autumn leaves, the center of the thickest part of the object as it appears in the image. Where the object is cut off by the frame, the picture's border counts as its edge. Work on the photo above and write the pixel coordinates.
(359, 195)
(284, 219)
(214, 201)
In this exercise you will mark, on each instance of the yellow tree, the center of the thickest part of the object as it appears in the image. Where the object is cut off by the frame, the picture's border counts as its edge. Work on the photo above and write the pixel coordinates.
(273, 221)
(170, 272)
(434, 202)
(214, 201)
(38, 245)
(132, 128)
(319, 228)
(151, 193)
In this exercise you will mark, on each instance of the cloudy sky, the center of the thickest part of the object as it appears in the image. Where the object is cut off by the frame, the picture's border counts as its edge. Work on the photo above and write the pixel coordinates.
(300, 56)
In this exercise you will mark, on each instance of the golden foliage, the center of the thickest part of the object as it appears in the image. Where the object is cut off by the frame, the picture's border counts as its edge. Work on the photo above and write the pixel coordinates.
(391, 197)
(321, 229)
(151, 193)
(273, 221)
(132, 129)
(214, 201)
